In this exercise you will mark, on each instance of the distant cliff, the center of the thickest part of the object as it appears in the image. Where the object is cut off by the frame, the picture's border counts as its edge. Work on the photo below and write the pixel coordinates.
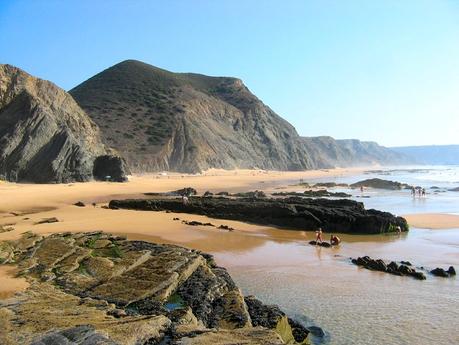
(45, 136)
(431, 154)
(159, 120)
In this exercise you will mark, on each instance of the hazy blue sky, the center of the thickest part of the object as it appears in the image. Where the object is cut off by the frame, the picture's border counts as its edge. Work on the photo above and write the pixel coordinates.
(386, 71)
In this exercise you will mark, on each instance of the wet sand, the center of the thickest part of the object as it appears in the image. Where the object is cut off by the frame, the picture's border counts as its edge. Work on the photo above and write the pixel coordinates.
(9, 283)
(433, 220)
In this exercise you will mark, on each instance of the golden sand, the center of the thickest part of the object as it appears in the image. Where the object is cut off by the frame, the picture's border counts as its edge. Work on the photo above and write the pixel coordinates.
(433, 220)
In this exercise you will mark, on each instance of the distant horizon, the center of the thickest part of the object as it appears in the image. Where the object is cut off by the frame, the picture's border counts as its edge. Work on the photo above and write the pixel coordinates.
(386, 72)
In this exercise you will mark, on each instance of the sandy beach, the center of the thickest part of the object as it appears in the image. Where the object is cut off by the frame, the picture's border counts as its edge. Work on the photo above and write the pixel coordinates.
(433, 220)
(248, 251)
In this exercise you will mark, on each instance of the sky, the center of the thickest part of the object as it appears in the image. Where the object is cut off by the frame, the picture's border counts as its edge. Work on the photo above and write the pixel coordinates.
(385, 71)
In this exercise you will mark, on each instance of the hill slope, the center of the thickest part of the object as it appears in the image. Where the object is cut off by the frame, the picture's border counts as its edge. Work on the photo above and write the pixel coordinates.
(432, 154)
(159, 120)
(44, 135)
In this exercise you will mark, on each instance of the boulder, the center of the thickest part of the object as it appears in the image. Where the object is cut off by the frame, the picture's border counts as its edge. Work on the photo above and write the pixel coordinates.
(439, 272)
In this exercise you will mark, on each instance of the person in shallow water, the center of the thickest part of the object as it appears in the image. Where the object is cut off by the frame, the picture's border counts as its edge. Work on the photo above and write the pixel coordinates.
(335, 240)
(319, 235)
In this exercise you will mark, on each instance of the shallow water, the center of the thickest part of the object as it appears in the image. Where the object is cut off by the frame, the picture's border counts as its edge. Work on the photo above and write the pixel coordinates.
(354, 305)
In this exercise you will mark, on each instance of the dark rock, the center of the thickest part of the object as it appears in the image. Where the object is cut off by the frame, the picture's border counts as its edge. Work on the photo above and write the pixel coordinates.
(379, 184)
(185, 191)
(223, 194)
(79, 204)
(255, 194)
(407, 263)
(176, 218)
(188, 191)
(330, 185)
(454, 189)
(226, 227)
(48, 220)
(316, 331)
(315, 194)
(196, 223)
(261, 314)
(439, 272)
(451, 271)
(392, 267)
(322, 244)
(110, 168)
(208, 194)
(345, 216)
(146, 306)
(300, 333)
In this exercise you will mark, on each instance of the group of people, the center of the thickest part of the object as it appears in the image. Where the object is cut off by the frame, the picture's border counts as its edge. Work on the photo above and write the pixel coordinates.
(334, 240)
(420, 191)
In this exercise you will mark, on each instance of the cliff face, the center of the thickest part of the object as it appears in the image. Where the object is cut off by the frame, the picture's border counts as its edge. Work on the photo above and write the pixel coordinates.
(44, 135)
(159, 120)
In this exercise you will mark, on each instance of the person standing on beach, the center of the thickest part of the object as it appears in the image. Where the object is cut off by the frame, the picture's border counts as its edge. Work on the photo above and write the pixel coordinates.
(319, 235)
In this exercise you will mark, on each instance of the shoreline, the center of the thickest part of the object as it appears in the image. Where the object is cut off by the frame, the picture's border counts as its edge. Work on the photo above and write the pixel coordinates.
(433, 221)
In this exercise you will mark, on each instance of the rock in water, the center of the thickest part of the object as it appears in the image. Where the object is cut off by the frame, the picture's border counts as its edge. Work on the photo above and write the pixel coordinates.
(392, 267)
(191, 122)
(379, 184)
(440, 272)
(44, 135)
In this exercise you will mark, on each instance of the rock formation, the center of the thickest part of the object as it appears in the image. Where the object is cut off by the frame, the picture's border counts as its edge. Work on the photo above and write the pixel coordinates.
(345, 216)
(159, 120)
(45, 136)
(380, 184)
(392, 267)
(95, 288)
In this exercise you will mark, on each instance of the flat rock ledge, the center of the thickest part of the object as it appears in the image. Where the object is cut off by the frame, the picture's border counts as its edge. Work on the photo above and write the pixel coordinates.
(343, 215)
(97, 288)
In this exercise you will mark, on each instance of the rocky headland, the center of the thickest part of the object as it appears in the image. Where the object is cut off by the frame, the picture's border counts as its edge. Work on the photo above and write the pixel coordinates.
(341, 215)
(188, 122)
(46, 137)
(96, 288)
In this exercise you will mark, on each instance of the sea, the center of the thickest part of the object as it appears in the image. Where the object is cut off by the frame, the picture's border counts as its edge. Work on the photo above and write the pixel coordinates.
(351, 305)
